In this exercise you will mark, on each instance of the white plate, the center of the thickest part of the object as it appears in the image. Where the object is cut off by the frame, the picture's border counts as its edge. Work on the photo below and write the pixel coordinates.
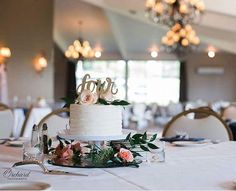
(25, 186)
(15, 143)
(189, 143)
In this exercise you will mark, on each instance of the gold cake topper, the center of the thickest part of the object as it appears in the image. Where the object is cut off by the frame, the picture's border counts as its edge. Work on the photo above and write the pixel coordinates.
(98, 86)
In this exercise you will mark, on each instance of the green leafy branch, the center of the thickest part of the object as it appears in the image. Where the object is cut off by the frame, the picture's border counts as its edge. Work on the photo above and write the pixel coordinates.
(115, 102)
(98, 156)
(142, 141)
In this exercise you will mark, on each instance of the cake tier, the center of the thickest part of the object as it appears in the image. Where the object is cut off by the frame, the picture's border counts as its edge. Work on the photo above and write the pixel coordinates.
(95, 120)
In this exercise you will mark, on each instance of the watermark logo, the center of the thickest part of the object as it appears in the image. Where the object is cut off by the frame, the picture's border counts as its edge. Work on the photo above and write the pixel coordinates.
(16, 174)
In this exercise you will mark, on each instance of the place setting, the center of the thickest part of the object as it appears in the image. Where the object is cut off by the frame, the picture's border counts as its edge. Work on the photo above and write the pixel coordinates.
(183, 140)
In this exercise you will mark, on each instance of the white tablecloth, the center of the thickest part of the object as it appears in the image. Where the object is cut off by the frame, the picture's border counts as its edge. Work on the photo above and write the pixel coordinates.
(206, 167)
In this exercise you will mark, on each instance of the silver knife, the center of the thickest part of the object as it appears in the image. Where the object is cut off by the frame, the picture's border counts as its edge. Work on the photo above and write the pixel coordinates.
(59, 172)
(45, 170)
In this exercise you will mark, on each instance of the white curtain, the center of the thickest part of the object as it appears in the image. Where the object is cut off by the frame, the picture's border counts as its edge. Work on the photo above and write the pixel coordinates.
(3, 84)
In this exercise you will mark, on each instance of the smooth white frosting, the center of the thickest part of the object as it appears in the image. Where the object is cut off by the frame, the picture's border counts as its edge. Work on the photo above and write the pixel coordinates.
(95, 120)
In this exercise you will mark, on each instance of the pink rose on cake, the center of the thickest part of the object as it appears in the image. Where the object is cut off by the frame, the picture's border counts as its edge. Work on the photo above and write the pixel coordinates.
(87, 97)
(108, 96)
(125, 155)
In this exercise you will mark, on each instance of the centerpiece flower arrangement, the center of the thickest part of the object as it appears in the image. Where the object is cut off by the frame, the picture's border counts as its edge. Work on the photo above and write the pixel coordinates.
(111, 154)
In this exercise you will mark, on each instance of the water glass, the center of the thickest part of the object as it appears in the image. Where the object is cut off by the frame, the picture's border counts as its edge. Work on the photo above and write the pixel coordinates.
(157, 155)
(32, 152)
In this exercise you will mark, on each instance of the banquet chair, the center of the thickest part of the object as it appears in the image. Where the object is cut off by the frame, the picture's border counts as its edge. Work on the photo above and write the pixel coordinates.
(55, 121)
(6, 121)
(229, 113)
(199, 115)
(211, 126)
(33, 116)
(3, 106)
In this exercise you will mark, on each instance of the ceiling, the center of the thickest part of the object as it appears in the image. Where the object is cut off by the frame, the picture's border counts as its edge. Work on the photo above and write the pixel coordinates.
(121, 31)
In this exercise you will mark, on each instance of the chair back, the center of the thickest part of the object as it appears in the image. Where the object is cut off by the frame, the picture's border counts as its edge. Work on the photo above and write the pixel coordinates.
(210, 127)
(55, 122)
(3, 107)
(6, 121)
(33, 116)
(229, 113)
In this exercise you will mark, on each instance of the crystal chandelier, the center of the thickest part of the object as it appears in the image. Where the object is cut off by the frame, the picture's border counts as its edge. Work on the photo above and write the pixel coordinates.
(80, 48)
(168, 12)
(180, 38)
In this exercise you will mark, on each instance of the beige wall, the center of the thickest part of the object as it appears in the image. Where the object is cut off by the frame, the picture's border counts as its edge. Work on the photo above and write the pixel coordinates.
(211, 87)
(26, 28)
(60, 73)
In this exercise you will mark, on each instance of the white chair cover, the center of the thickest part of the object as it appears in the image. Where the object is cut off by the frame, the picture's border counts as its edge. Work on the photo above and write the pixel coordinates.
(209, 127)
(19, 118)
(56, 124)
(6, 123)
(35, 116)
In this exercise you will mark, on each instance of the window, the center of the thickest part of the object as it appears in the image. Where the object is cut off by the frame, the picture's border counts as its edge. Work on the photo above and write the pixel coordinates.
(147, 81)
(153, 81)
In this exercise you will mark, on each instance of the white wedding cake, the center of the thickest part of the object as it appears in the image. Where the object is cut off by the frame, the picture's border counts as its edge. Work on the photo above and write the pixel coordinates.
(95, 120)
(95, 113)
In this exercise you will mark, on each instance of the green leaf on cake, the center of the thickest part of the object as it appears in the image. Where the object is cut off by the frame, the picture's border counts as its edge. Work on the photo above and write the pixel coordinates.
(67, 101)
(120, 102)
(115, 102)
(103, 101)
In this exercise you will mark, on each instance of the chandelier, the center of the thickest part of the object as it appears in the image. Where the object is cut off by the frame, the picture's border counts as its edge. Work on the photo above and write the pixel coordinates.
(79, 49)
(168, 12)
(180, 37)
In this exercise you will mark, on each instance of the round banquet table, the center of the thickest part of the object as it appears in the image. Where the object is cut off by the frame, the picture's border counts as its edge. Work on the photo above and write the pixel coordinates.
(204, 167)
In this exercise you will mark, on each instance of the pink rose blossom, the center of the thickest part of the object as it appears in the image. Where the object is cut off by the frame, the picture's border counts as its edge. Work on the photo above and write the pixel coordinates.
(88, 98)
(67, 152)
(64, 153)
(126, 155)
(108, 96)
(58, 150)
(76, 147)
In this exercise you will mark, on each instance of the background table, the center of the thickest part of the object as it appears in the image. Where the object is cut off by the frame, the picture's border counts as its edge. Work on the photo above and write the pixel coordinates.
(206, 167)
